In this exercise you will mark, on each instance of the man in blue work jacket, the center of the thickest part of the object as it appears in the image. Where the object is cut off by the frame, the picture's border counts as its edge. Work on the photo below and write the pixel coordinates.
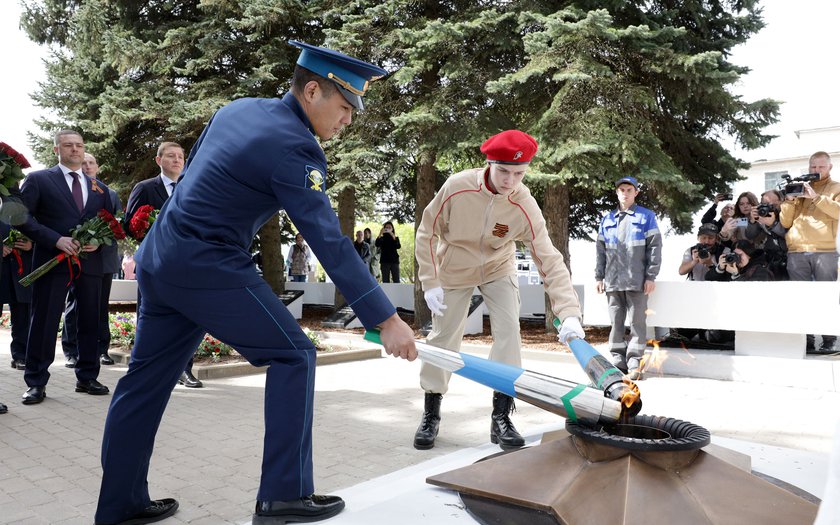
(628, 255)
(196, 276)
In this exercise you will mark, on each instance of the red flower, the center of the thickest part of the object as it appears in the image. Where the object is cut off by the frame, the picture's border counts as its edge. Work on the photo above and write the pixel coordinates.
(142, 220)
(19, 159)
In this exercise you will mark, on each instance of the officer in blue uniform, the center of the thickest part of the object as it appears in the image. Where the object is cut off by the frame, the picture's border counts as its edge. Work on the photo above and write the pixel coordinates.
(254, 157)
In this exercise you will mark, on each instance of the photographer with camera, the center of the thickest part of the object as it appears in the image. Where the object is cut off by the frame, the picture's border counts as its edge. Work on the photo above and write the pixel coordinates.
(812, 219)
(725, 213)
(767, 233)
(744, 263)
(733, 229)
(697, 259)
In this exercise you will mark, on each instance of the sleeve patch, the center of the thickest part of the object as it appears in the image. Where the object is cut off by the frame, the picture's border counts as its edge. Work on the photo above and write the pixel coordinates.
(314, 179)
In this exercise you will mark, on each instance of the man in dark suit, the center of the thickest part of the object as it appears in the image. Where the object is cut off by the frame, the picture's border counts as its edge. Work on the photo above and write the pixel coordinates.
(110, 265)
(59, 199)
(155, 192)
(16, 295)
(261, 154)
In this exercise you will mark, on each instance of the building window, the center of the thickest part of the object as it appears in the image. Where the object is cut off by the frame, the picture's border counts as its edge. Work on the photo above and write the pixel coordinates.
(772, 179)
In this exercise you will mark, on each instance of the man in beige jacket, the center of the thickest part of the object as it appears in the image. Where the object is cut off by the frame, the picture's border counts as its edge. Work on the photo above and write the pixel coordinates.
(467, 239)
(811, 219)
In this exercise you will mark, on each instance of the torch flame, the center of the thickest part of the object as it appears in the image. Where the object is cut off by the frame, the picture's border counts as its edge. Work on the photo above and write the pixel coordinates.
(631, 394)
(653, 362)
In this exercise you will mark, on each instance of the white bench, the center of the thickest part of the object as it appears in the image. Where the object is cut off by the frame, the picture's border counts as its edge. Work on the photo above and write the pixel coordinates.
(769, 318)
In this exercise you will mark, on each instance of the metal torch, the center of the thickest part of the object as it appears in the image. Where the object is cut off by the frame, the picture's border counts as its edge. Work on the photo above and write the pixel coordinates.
(571, 400)
(605, 376)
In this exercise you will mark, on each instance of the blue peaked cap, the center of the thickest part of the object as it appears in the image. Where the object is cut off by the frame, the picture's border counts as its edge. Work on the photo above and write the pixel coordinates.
(627, 180)
(351, 75)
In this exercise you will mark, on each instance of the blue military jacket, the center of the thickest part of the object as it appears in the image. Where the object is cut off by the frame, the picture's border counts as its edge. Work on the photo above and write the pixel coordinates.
(255, 156)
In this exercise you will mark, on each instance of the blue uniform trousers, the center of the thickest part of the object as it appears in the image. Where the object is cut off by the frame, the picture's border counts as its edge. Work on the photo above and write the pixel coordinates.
(172, 323)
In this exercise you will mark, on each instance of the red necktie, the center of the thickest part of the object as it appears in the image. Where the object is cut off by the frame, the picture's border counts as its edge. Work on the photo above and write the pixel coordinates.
(77, 191)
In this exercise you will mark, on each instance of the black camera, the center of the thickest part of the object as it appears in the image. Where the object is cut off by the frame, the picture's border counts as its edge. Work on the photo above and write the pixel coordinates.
(765, 209)
(702, 250)
(795, 187)
(731, 257)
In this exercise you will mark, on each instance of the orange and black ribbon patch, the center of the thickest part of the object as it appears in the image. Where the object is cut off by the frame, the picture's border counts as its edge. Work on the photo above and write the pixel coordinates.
(500, 230)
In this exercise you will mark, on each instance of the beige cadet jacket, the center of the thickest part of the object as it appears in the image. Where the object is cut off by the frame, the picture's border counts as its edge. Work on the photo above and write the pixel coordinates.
(812, 223)
(467, 234)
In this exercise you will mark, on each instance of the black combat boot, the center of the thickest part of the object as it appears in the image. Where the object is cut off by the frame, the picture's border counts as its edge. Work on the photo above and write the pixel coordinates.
(424, 438)
(502, 430)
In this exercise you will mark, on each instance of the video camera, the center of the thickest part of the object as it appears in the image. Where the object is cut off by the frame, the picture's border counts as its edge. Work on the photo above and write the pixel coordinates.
(702, 250)
(795, 186)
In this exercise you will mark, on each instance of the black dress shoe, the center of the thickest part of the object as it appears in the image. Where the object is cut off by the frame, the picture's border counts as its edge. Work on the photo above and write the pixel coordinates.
(71, 362)
(19, 364)
(34, 395)
(92, 387)
(3, 408)
(189, 380)
(105, 359)
(310, 508)
(159, 509)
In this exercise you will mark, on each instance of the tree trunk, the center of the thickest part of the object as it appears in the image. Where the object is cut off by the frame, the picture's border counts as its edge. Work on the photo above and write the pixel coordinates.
(272, 256)
(556, 213)
(425, 193)
(347, 221)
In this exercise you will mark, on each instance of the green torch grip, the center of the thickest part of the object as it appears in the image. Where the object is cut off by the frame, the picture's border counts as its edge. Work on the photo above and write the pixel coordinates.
(373, 336)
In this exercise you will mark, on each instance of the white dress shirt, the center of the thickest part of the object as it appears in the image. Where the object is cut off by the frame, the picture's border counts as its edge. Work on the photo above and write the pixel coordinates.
(69, 179)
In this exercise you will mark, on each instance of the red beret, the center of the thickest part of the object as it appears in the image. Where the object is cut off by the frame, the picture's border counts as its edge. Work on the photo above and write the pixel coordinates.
(510, 147)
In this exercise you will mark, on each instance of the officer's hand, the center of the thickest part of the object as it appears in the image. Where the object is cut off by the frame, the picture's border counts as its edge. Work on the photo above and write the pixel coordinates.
(434, 299)
(90, 247)
(397, 338)
(570, 328)
(599, 286)
(6, 250)
(650, 286)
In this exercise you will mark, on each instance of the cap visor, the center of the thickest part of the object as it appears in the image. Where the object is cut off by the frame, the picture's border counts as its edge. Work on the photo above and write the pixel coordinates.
(355, 100)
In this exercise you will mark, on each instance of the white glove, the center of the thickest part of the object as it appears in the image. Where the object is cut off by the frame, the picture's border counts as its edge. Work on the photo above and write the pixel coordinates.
(571, 328)
(434, 299)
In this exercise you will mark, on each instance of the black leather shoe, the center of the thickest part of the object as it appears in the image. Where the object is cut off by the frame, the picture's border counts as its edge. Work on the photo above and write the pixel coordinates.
(3, 408)
(159, 509)
(92, 387)
(310, 508)
(71, 362)
(34, 395)
(189, 380)
(17, 363)
(105, 359)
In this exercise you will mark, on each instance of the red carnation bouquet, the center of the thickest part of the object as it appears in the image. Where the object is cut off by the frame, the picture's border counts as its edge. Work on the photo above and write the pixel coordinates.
(142, 220)
(102, 229)
(11, 241)
(12, 164)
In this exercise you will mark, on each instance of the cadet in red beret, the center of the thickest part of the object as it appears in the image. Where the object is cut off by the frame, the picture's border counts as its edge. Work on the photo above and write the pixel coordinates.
(467, 238)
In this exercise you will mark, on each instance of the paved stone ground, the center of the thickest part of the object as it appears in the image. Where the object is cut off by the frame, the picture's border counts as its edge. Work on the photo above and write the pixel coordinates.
(209, 447)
